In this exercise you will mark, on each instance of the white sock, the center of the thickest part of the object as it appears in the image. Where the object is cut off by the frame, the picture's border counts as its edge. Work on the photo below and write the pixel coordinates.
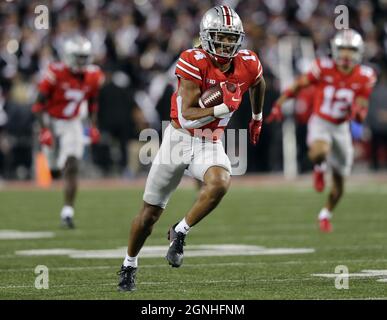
(322, 167)
(67, 211)
(130, 261)
(182, 226)
(324, 214)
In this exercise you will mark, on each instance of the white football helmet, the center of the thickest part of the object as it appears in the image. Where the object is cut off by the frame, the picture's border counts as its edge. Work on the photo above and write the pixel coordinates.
(77, 53)
(224, 20)
(349, 39)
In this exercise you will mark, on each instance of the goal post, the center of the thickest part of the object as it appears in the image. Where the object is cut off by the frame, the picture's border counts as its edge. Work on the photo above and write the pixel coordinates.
(288, 48)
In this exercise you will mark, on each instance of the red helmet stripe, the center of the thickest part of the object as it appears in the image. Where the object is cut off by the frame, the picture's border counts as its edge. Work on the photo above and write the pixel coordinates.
(229, 13)
(226, 15)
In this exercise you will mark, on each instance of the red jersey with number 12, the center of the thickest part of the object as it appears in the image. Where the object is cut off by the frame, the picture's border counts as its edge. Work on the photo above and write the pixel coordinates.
(66, 91)
(335, 91)
(196, 65)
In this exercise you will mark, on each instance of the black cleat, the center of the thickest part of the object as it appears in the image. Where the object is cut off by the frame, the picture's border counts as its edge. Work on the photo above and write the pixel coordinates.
(175, 252)
(127, 279)
(68, 223)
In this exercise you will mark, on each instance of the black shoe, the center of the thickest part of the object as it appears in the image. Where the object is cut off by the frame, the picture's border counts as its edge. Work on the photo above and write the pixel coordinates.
(68, 223)
(175, 252)
(127, 279)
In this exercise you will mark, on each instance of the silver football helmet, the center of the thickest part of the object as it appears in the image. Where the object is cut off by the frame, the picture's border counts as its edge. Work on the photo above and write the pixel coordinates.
(221, 20)
(350, 39)
(77, 53)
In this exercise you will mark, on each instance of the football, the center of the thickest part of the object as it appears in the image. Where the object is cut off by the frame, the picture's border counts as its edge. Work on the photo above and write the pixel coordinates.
(214, 95)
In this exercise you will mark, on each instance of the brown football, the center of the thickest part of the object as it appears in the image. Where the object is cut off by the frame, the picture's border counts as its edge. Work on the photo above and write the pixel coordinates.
(214, 95)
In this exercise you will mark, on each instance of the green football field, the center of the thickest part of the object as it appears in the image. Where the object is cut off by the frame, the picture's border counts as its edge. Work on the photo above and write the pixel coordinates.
(281, 255)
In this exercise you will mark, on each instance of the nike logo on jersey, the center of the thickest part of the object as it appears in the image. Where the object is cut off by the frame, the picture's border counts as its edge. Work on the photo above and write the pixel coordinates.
(241, 84)
(236, 100)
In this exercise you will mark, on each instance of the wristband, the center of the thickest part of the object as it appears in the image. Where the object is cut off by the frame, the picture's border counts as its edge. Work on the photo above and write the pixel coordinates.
(256, 117)
(221, 110)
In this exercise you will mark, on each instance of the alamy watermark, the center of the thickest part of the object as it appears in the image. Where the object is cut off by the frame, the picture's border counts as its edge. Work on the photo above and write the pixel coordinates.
(342, 18)
(200, 146)
(342, 278)
(42, 17)
(42, 278)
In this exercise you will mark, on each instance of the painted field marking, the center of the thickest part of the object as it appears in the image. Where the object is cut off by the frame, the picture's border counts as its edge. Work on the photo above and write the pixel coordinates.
(19, 235)
(199, 265)
(363, 274)
(159, 251)
(156, 283)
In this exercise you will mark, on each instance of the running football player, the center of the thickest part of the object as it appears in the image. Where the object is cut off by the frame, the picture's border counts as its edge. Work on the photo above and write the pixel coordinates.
(62, 90)
(191, 142)
(343, 86)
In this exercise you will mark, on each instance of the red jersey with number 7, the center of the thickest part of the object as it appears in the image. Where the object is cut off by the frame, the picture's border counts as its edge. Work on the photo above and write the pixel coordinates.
(335, 91)
(196, 65)
(66, 91)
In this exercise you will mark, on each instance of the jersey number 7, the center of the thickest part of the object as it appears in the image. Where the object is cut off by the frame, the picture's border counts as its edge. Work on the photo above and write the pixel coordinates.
(74, 98)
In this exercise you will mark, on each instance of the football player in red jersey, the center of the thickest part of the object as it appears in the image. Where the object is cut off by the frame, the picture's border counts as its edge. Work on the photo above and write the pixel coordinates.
(343, 86)
(191, 142)
(64, 87)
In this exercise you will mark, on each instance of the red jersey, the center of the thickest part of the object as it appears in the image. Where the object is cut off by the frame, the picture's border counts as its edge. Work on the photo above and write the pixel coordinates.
(196, 65)
(65, 91)
(335, 91)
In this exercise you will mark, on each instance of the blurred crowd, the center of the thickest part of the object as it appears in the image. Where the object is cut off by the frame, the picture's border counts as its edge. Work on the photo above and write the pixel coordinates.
(136, 42)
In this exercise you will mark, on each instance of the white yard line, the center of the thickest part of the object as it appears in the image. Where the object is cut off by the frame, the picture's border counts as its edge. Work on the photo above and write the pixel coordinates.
(25, 235)
(200, 265)
(169, 283)
(159, 251)
(155, 283)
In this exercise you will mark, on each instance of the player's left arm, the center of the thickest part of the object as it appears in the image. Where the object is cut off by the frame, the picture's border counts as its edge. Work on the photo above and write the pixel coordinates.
(360, 106)
(93, 109)
(95, 135)
(257, 96)
(360, 109)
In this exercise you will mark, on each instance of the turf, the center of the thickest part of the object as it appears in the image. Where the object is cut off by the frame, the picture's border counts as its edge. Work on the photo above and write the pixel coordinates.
(271, 217)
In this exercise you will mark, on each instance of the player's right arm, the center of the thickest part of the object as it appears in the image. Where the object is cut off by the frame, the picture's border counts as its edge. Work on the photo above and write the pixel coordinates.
(38, 108)
(45, 134)
(45, 88)
(303, 81)
(189, 69)
(190, 94)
